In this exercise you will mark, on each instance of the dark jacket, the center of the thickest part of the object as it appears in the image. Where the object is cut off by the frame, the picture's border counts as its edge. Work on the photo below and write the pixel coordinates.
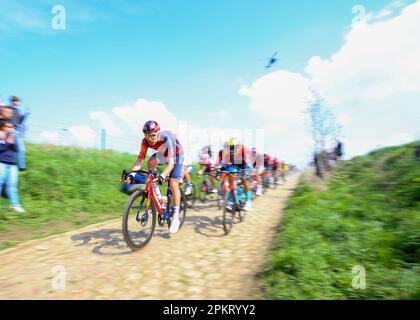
(17, 118)
(8, 152)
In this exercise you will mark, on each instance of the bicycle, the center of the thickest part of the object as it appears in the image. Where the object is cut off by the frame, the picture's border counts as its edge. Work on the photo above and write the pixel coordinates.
(221, 189)
(207, 186)
(192, 197)
(232, 196)
(143, 207)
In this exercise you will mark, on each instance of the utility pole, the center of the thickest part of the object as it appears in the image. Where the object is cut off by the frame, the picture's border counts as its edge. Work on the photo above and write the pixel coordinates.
(103, 139)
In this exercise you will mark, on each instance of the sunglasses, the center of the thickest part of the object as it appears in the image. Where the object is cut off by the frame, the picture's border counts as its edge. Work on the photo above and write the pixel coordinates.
(151, 135)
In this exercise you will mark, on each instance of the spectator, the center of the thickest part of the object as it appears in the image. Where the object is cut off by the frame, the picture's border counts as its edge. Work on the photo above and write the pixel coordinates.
(6, 113)
(339, 150)
(18, 120)
(317, 165)
(8, 169)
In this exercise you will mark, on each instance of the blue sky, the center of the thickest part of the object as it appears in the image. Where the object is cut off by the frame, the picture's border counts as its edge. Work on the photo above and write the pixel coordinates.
(192, 56)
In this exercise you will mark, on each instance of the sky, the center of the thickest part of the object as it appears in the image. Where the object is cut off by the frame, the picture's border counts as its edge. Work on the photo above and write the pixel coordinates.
(197, 68)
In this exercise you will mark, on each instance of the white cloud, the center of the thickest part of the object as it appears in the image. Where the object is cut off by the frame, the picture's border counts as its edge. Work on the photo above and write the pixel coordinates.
(280, 99)
(142, 110)
(105, 121)
(376, 61)
(83, 136)
(50, 137)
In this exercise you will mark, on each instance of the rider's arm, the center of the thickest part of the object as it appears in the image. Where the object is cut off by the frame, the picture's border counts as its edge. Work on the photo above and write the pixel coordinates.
(142, 155)
(169, 167)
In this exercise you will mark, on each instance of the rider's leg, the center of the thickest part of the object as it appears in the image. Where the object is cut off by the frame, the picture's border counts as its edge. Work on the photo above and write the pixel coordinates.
(152, 165)
(175, 176)
(176, 193)
(186, 177)
(259, 181)
(213, 185)
(248, 204)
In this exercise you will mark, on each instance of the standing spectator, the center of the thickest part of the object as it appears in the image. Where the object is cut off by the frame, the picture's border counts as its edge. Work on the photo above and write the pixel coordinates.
(18, 120)
(339, 150)
(8, 169)
(317, 165)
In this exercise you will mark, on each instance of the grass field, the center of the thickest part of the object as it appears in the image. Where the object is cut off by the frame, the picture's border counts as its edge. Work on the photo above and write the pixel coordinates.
(369, 216)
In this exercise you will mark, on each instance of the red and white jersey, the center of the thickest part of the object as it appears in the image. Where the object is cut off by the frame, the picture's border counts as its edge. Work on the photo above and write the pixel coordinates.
(167, 146)
(207, 161)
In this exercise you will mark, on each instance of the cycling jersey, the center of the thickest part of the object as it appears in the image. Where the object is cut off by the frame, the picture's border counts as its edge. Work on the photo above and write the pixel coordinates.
(267, 161)
(207, 162)
(239, 156)
(167, 147)
(275, 164)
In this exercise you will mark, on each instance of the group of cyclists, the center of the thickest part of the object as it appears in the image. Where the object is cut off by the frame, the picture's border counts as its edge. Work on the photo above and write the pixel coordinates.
(258, 170)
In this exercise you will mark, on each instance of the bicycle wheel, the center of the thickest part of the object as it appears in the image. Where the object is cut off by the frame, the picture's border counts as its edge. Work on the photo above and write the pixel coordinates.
(239, 207)
(191, 198)
(228, 214)
(137, 225)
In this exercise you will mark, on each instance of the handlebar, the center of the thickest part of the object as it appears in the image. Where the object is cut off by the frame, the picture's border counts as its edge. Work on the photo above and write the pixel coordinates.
(240, 171)
(126, 173)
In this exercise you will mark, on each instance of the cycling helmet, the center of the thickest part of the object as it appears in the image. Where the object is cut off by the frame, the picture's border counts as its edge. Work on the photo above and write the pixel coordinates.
(233, 142)
(151, 127)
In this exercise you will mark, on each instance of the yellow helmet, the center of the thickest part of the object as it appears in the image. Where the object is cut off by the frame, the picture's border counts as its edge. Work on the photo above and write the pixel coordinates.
(233, 142)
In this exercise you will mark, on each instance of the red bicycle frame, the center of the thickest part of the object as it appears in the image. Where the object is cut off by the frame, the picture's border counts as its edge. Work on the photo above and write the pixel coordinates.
(152, 196)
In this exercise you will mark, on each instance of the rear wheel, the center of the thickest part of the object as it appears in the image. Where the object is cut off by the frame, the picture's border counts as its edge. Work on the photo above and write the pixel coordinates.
(138, 225)
(220, 197)
(192, 197)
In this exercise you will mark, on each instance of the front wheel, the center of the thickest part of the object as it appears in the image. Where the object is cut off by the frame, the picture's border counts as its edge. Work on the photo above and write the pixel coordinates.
(138, 223)
(228, 214)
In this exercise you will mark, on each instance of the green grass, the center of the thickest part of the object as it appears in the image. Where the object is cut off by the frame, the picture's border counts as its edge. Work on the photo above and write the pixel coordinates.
(368, 216)
(64, 189)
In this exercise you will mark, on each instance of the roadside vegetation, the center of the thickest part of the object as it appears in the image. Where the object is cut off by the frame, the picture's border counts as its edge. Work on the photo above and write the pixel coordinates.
(368, 215)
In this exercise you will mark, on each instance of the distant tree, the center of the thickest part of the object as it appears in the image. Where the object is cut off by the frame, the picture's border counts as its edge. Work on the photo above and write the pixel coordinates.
(324, 129)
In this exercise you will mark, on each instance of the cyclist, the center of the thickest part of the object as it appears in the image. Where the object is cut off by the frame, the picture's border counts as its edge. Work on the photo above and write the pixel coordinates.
(169, 153)
(236, 156)
(284, 169)
(207, 165)
(275, 168)
(257, 164)
(268, 176)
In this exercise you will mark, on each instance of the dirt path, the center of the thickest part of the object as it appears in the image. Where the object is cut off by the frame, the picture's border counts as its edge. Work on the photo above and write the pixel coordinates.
(200, 262)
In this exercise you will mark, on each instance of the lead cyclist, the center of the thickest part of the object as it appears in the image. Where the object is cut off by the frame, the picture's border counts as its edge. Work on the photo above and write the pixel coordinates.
(169, 153)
